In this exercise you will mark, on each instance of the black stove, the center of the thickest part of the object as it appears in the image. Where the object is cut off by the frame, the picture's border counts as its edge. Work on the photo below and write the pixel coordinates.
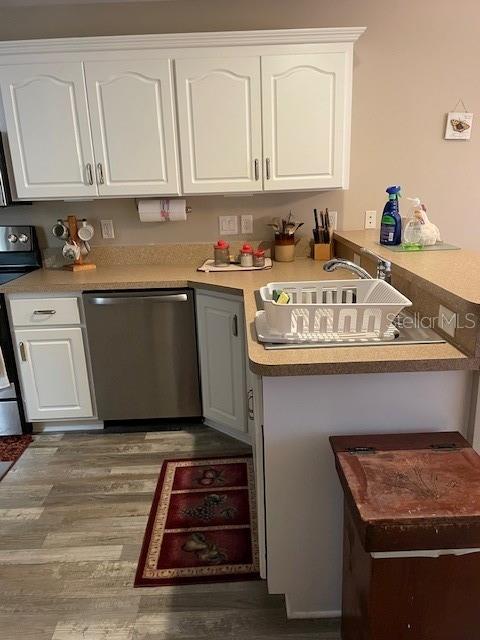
(19, 254)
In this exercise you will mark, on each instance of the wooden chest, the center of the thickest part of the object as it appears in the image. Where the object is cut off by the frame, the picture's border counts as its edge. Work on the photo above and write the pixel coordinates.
(411, 565)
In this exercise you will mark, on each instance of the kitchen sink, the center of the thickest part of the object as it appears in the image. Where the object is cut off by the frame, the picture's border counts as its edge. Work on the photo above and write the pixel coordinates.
(404, 331)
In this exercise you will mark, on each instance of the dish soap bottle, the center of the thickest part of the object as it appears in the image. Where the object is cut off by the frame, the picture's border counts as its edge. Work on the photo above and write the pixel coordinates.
(391, 227)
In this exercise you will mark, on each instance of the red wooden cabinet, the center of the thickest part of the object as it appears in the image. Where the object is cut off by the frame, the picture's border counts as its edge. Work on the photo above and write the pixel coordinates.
(411, 567)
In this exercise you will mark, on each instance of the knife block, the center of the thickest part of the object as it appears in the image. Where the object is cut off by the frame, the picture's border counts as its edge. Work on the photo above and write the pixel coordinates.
(79, 264)
(322, 251)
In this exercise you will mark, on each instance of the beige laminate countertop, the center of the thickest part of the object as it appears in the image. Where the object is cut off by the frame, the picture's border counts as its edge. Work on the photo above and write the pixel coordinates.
(331, 360)
(455, 271)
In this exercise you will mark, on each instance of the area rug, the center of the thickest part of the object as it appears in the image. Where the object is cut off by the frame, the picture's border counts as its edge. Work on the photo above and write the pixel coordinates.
(11, 448)
(202, 525)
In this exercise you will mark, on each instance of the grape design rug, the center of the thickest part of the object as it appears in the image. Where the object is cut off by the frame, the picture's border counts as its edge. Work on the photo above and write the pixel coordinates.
(202, 525)
(11, 448)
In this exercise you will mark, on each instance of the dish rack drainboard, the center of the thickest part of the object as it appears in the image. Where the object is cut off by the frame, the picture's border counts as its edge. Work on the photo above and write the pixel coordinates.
(333, 310)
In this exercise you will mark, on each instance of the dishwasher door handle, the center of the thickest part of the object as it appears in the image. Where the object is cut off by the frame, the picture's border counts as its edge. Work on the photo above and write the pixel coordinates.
(173, 297)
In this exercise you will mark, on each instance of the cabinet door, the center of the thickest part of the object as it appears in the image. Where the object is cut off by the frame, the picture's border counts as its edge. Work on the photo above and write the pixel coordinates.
(220, 125)
(255, 427)
(133, 127)
(305, 121)
(48, 130)
(221, 342)
(53, 373)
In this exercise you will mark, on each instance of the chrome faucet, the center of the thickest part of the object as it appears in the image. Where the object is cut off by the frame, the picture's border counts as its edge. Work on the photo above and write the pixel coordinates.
(384, 267)
(343, 263)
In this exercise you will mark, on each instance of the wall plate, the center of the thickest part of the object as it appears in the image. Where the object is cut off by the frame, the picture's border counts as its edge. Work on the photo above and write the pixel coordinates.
(228, 225)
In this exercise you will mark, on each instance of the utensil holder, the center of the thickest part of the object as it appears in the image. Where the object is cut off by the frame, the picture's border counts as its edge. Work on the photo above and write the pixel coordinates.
(284, 247)
(322, 251)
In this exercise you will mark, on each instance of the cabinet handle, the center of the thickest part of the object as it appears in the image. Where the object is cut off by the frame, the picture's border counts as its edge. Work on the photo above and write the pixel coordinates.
(251, 411)
(23, 353)
(88, 169)
(44, 312)
(235, 325)
(256, 168)
(267, 168)
(100, 179)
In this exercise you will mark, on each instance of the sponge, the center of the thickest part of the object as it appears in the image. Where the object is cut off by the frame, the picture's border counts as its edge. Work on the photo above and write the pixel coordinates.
(281, 297)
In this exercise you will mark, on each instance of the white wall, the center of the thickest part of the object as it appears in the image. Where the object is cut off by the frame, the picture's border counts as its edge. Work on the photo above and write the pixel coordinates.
(304, 500)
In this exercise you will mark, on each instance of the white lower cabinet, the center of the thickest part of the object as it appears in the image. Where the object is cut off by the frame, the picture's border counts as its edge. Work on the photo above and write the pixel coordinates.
(221, 340)
(255, 429)
(53, 373)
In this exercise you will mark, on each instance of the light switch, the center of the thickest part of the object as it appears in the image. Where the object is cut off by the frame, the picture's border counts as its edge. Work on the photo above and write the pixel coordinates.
(228, 225)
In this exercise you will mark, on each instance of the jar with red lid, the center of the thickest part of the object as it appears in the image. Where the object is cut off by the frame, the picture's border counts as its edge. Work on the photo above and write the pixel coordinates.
(259, 258)
(221, 253)
(246, 256)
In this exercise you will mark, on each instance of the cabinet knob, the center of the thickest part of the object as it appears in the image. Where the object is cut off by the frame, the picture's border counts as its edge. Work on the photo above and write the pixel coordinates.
(23, 238)
(235, 325)
(12, 238)
(256, 169)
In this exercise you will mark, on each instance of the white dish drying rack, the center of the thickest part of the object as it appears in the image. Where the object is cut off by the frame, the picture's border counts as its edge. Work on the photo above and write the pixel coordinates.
(330, 311)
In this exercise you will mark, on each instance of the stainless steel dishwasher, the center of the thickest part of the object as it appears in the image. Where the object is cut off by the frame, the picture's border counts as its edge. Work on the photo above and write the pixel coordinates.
(144, 354)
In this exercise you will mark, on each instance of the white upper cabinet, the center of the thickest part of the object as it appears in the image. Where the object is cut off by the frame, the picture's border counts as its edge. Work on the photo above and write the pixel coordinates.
(219, 113)
(254, 111)
(133, 127)
(306, 120)
(47, 122)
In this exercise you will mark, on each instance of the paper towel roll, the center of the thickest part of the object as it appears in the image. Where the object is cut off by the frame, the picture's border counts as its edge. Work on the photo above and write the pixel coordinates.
(166, 210)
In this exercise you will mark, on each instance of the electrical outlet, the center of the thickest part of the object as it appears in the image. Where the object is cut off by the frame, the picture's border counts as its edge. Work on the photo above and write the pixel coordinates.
(447, 320)
(370, 219)
(246, 224)
(108, 232)
(333, 216)
(357, 259)
(228, 225)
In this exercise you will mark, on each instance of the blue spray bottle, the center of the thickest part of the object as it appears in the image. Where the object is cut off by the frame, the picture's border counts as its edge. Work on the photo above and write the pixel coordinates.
(391, 227)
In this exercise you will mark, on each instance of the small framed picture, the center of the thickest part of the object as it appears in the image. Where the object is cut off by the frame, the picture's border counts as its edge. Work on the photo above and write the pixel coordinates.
(459, 125)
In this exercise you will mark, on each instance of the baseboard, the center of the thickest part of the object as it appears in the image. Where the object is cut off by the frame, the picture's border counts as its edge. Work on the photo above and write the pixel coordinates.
(244, 437)
(55, 427)
(302, 615)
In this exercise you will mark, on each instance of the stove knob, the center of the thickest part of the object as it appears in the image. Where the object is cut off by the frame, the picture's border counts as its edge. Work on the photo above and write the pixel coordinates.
(12, 237)
(23, 238)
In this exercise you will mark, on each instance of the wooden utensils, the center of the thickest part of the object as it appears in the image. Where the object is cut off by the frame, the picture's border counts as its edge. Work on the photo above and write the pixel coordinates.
(284, 246)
